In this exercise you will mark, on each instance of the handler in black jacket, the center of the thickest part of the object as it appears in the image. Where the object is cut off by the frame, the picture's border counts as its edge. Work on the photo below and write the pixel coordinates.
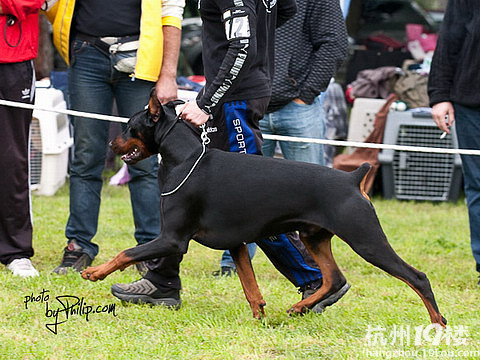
(454, 90)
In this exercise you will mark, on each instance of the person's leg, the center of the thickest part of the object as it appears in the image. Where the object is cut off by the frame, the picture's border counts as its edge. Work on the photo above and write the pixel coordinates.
(467, 126)
(131, 97)
(227, 265)
(289, 256)
(90, 91)
(237, 131)
(301, 121)
(163, 274)
(267, 127)
(15, 213)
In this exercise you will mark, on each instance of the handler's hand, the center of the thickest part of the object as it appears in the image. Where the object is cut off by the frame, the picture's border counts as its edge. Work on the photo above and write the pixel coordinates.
(166, 89)
(193, 114)
(439, 111)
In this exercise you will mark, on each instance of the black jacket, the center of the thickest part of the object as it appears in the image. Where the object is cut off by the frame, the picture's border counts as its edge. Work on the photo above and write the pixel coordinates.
(238, 48)
(455, 71)
(308, 50)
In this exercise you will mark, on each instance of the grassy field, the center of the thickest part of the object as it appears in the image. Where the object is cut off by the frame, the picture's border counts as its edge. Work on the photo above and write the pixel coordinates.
(215, 321)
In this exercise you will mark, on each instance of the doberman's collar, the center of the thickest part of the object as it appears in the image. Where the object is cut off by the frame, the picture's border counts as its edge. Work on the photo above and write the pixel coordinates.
(205, 141)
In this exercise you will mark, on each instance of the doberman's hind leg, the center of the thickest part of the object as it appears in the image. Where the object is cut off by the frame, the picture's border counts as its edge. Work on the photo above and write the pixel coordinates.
(247, 278)
(100, 272)
(371, 244)
(318, 243)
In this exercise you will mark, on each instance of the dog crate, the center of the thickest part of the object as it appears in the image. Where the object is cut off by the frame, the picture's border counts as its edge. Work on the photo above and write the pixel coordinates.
(362, 119)
(417, 175)
(49, 142)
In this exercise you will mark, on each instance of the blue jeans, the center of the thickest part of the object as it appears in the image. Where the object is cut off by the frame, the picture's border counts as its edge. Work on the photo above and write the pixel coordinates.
(467, 126)
(93, 84)
(296, 120)
(227, 260)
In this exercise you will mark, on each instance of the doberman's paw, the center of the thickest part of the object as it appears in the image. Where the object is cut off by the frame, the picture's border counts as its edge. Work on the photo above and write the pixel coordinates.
(93, 273)
(297, 310)
(258, 310)
(442, 322)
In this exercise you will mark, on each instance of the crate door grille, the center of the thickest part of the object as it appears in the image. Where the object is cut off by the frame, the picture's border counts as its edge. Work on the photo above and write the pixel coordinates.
(36, 152)
(422, 176)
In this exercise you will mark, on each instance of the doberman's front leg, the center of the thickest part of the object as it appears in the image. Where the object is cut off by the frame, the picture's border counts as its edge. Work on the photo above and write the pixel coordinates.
(153, 249)
(247, 278)
(100, 272)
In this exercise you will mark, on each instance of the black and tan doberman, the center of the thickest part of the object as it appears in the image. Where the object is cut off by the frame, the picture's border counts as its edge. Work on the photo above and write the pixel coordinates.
(269, 197)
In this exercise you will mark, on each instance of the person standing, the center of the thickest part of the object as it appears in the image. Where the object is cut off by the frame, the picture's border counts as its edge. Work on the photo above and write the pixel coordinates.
(18, 46)
(90, 35)
(303, 69)
(454, 91)
(238, 49)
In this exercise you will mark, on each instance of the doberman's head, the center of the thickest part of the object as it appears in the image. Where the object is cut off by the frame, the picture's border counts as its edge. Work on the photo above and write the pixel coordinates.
(139, 140)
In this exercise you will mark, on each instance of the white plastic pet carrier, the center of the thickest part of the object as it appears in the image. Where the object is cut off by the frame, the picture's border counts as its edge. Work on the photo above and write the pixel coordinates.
(49, 142)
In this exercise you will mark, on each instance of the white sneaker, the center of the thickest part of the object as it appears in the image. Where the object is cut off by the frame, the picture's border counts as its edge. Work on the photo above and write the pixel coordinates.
(22, 267)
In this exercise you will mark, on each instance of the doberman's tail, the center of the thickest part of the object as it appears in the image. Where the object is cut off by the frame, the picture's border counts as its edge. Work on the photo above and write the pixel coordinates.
(360, 177)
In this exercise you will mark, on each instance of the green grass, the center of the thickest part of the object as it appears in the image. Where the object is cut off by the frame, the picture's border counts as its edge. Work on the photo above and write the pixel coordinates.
(215, 320)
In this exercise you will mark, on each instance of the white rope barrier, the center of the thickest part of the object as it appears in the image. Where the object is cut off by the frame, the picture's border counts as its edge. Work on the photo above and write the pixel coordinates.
(265, 136)
(64, 111)
(374, 145)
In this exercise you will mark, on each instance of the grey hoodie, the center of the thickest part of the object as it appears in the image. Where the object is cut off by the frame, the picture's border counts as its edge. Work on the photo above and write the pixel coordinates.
(308, 50)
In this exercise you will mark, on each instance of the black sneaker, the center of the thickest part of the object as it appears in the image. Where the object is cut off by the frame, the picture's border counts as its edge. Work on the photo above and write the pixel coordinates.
(319, 307)
(73, 258)
(143, 291)
(224, 271)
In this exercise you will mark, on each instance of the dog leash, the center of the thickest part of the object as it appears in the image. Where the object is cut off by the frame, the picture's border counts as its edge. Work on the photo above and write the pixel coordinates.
(205, 141)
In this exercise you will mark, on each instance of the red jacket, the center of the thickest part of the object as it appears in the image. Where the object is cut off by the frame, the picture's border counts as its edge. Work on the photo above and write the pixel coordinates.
(23, 32)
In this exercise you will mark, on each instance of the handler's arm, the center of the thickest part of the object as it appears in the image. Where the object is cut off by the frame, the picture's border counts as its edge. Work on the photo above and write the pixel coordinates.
(445, 61)
(328, 33)
(172, 15)
(449, 44)
(166, 86)
(240, 31)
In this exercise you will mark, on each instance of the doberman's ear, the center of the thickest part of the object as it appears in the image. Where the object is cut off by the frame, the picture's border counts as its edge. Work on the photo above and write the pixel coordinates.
(154, 107)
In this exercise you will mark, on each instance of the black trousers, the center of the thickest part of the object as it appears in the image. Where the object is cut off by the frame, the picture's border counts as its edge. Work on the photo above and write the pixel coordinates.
(16, 84)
